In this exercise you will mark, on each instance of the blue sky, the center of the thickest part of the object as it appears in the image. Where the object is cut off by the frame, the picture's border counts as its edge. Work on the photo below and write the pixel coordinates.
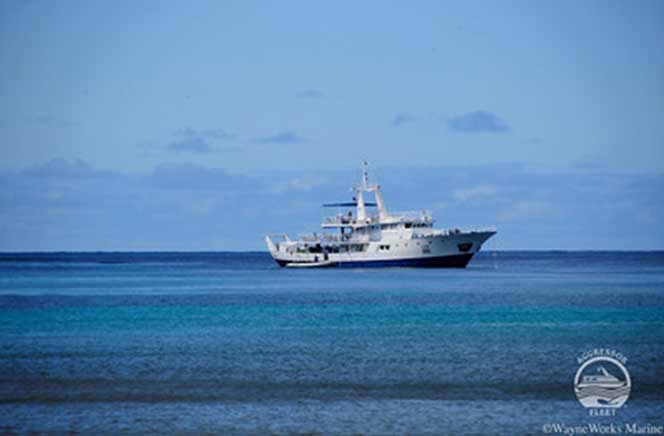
(202, 125)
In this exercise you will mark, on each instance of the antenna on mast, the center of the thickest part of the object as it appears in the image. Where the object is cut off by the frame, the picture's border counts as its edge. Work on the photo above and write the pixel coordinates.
(365, 175)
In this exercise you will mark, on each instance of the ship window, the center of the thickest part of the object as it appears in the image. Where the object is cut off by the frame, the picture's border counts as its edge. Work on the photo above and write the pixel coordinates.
(409, 225)
(384, 247)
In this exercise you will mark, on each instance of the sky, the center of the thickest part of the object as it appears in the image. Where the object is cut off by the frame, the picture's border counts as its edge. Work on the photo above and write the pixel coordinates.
(204, 125)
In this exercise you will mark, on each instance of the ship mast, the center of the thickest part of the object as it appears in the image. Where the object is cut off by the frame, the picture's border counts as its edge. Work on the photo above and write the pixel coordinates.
(366, 187)
(361, 208)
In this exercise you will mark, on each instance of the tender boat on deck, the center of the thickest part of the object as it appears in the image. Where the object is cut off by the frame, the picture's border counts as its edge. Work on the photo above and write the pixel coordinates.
(378, 239)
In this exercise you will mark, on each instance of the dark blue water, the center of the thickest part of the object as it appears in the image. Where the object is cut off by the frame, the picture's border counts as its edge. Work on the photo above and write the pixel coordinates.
(228, 343)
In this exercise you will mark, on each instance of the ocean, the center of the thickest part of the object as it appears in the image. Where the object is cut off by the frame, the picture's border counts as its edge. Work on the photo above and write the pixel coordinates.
(229, 343)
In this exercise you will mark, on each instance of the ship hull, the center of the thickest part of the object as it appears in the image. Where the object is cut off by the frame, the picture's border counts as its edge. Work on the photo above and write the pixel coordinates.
(450, 261)
(450, 251)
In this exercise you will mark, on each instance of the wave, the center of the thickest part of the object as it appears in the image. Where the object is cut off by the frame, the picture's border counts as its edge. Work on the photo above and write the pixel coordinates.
(104, 390)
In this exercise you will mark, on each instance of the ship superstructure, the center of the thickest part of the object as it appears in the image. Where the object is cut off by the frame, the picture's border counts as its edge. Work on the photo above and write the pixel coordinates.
(371, 236)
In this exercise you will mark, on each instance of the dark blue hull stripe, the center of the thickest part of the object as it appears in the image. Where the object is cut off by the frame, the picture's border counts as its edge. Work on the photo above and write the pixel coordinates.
(452, 261)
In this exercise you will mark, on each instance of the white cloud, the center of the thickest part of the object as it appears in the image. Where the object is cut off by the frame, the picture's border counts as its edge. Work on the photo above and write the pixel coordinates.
(530, 209)
(465, 194)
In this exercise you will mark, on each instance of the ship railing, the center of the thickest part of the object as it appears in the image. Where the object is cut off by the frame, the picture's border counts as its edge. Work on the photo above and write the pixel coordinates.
(451, 232)
(325, 237)
(339, 220)
(347, 221)
(309, 237)
(473, 230)
(412, 215)
(405, 216)
(279, 237)
(336, 238)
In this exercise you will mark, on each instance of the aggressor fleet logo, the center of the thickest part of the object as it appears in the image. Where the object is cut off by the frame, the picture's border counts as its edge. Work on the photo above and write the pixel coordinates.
(602, 383)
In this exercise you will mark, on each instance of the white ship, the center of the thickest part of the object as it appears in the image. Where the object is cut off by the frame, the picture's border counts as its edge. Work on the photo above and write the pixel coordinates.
(378, 239)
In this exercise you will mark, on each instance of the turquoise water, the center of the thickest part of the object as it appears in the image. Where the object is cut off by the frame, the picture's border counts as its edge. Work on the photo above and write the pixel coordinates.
(228, 343)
